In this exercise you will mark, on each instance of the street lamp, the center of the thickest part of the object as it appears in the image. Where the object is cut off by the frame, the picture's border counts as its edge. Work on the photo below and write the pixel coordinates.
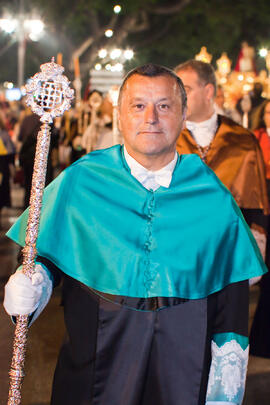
(263, 52)
(23, 29)
(109, 33)
(117, 9)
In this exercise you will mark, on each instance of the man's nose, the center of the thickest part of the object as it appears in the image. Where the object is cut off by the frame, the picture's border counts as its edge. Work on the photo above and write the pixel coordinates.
(150, 114)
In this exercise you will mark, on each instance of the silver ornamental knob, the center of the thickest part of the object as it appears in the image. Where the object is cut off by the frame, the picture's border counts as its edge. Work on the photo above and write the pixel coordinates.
(48, 92)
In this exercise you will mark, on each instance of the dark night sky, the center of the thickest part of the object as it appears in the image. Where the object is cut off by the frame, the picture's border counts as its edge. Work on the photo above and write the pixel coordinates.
(221, 25)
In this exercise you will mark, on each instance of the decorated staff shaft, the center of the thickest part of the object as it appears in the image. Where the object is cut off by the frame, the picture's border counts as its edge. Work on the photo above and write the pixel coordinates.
(49, 95)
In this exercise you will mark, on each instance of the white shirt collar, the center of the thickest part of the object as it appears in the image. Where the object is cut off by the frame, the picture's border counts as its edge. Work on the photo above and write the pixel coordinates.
(203, 132)
(148, 178)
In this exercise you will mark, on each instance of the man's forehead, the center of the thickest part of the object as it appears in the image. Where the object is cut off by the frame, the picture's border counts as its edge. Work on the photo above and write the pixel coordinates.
(189, 75)
(139, 85)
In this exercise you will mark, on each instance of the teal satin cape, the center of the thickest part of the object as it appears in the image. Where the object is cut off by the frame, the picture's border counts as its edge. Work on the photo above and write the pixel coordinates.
(100, 226)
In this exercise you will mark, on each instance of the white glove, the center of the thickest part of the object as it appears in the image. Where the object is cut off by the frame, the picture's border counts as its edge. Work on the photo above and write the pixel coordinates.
(254, 280)
(23, 295)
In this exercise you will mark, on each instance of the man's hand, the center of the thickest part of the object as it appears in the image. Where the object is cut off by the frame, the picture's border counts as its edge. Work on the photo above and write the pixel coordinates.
(24, 295)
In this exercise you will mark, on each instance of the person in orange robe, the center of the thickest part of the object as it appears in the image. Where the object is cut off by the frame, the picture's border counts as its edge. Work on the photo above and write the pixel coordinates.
(230, 150)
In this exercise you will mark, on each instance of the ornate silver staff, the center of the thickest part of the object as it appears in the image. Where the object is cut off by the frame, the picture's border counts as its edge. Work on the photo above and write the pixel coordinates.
(49, 95)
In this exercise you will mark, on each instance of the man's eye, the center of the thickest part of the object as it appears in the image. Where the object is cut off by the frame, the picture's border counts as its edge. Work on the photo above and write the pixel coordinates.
(138, 106)
(164, 107)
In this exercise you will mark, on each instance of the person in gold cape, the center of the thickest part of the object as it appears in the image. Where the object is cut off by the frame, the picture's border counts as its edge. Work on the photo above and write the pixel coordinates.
(230, 150)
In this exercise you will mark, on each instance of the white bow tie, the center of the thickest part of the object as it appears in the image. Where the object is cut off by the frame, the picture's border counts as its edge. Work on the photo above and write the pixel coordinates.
(203, 132)
(151, 179)
(193, 126)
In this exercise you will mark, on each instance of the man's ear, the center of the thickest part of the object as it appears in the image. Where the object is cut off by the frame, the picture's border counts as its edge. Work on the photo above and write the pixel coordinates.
(184, 114)
(118, 119)
(184, 117)
(210, 91)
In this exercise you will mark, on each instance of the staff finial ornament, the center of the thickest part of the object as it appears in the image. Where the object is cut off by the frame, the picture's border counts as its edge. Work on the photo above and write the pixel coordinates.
(48, 92)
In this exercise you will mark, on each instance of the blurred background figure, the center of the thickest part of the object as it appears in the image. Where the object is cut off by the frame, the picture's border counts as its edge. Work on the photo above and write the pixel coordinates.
(249, 103)
(7, 154)
(246, 59)
(220, 108)
(91, 130)
(99, 132)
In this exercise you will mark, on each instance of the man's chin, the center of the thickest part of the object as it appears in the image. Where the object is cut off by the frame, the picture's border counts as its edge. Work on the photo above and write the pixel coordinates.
(150, 151)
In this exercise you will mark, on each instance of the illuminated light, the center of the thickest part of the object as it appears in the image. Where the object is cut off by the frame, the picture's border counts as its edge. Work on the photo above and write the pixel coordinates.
(118, 67)
(109, 33)
(223, 80)
(115, 53)
(13, 94)
(204, 56)
(10, 85)
(128, 54)
(102, 53)
(108, 66)
(224, 64)
(250, 79)
(34, 37)
(98, 66)
(263, 52)
(117, 9)
(34, 26)
(240, 78)
(247, 87)
(8, 25)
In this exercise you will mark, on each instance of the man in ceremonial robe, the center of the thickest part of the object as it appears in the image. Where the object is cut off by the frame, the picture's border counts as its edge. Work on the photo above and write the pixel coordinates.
(230, 150)
(155, 279)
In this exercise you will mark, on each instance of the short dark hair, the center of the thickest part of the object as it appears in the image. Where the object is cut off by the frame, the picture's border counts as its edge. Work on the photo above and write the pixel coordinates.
(204, 70)
(152, 70)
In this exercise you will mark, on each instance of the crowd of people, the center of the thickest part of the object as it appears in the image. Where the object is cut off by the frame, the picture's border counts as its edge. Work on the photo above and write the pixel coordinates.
(158, 251)
(81, 130)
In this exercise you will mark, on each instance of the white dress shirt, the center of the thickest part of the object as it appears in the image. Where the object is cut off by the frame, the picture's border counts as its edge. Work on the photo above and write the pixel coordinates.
(203, 132)
(151, 180)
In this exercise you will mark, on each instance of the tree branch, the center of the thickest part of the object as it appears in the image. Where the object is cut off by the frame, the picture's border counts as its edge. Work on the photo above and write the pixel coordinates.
(89, 41)
(135, 23)
(94, 21)
(156, 35)
(169, 9)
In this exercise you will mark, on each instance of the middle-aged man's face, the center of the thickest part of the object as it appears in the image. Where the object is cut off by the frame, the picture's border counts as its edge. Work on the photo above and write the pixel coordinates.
(199, 96)
(150, 116)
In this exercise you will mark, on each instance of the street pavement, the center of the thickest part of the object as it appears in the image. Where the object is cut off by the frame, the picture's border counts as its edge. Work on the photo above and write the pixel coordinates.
(47, 332)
